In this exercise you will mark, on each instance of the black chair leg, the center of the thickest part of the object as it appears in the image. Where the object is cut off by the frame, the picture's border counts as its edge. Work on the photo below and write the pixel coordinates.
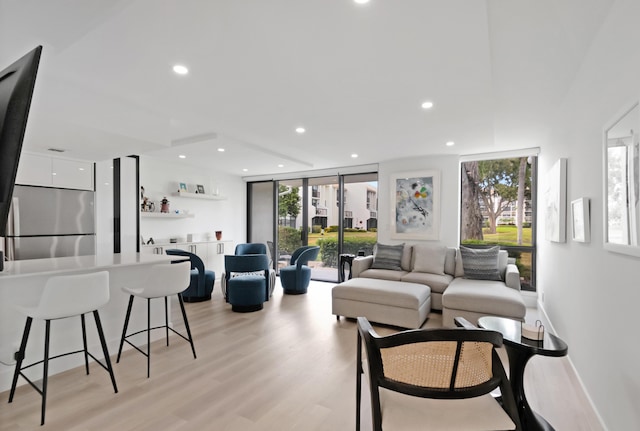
(124, 329)
(166, 318)
(105, 351)
(20, 357)
(186, 324)
(45, 370)
(84, 343)
(148, 337)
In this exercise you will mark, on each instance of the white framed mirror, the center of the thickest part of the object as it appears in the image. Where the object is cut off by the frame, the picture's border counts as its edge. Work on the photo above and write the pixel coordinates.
(622, 183)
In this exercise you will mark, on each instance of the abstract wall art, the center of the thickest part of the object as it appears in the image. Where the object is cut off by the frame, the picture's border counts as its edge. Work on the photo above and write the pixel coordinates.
(415, 198)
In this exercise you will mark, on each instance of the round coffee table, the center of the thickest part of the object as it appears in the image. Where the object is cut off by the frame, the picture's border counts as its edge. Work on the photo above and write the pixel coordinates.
(520, 350)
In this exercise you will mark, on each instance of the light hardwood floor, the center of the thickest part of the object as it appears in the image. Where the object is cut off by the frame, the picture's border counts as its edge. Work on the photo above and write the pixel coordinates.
(290, 366)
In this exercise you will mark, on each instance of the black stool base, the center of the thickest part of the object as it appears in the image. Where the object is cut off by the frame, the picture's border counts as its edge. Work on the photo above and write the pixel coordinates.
(246, 308)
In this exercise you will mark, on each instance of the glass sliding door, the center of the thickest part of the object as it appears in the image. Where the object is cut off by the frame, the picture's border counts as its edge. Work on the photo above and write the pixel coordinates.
(338, 213)
(360, 203)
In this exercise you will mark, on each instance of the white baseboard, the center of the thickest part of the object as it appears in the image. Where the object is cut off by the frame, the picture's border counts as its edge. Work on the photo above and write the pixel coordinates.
(575, 371)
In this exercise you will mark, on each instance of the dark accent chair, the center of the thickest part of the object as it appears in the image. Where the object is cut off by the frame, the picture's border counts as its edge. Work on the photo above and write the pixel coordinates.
(412, 373)
(295, 277)
(247, 281)
(253, 248)
(202, 280)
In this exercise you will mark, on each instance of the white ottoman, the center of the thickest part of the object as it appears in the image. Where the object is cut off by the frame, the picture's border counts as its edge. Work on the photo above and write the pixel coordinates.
(390, 302)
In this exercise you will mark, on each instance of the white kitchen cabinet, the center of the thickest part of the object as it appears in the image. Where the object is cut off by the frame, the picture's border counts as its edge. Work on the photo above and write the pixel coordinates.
(40, 170)
(217, 250)
(34, 170)
(72, 174)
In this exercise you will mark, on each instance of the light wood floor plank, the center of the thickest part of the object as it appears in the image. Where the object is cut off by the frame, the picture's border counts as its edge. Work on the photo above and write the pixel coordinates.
(290, 366)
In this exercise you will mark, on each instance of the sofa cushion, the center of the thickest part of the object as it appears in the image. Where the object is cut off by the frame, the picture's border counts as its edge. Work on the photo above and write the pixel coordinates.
(450, 261)
(399, 294)
(481, 264)
(405, 263)
(437, 283)
(383, 274)
(484, 296)
(387, 257)
(428, 259)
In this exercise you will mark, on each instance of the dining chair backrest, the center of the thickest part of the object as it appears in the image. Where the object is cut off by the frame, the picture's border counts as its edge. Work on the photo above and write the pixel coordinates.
(71, 295)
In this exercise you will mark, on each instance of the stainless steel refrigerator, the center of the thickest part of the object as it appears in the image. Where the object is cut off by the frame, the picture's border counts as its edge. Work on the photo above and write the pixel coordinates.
(50, 222)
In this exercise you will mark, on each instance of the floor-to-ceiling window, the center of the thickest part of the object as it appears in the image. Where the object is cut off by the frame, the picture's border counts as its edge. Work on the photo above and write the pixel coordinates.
(498, 207)
(338, 213)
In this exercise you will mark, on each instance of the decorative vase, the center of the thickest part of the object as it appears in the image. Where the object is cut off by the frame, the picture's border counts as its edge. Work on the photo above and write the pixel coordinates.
(164, 205)
(218, 235)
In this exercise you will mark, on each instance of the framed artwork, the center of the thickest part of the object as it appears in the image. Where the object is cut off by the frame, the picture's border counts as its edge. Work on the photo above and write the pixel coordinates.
(200, 188)
(580, 215)
(415, 203)
(183, 187)
(556, 204)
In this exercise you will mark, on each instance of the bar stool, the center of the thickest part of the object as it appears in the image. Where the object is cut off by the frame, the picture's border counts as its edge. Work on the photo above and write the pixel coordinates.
(65, 296)
(164, 280)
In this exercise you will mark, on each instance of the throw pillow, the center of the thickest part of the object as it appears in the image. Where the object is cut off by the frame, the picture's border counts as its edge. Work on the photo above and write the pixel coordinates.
(429, 259)
(387, 257)
(481, 264)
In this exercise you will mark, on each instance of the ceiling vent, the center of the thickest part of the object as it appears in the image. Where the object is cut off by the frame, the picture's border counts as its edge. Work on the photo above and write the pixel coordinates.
(56, 150)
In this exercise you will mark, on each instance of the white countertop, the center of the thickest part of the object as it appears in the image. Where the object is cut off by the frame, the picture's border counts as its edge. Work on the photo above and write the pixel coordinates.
(21, 268)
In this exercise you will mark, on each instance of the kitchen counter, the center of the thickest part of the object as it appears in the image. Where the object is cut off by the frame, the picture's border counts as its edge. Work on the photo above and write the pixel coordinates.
(22, 282)
(68, 265)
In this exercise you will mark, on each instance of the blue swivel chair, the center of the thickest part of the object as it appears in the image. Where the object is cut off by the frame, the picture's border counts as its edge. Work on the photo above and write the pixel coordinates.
(295, 277)
(247, 281)
(202, 280)
(251, 248)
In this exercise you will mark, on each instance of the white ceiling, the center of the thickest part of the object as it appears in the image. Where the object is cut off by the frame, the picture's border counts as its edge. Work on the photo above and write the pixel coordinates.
(353, 75)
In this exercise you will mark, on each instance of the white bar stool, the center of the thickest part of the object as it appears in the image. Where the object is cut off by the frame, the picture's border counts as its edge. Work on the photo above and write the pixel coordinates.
(164, 280)
(65, 296)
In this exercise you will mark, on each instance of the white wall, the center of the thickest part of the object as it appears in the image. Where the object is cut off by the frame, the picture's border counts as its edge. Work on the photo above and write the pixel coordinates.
(160, 178)
(592, 295)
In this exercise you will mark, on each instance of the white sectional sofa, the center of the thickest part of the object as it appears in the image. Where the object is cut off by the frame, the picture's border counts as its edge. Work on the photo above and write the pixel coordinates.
(442, 269)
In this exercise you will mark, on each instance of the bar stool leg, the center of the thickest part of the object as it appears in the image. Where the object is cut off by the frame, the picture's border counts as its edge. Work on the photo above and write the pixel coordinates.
(20, 356)
(186, 324)
(148, 337)
(105, 351)
(84, 343)
(166, 318)
(45, 371)
(124, 329)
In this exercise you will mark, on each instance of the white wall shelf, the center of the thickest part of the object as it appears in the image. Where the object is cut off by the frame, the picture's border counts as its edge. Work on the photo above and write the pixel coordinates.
(164, 215)
(199, 196)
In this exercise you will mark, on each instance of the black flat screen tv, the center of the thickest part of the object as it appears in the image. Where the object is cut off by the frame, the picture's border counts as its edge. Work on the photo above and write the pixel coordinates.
(16, 89)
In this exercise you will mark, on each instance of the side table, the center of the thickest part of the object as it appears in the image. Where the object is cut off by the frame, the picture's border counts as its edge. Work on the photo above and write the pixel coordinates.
(520, 350)
(344, 260)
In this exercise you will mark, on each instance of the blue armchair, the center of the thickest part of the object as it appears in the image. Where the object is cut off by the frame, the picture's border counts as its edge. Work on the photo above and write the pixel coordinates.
(202, 280)
(247, 281)
(248, 249)
(295, 277)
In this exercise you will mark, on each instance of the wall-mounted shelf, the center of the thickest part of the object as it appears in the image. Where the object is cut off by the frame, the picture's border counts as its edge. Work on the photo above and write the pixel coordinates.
(199, 196)
(164, 215)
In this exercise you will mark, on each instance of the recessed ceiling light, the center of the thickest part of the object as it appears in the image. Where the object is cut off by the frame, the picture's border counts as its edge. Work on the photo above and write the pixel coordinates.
(427, 104)
(53, 173)
(81, 169)
(281, 166)
(245, 170)
(450, 144)
(354, 155)
(106, 184)
(180, 69)
(361, 1)
(221, 150)
(300, 130)
(182, 156)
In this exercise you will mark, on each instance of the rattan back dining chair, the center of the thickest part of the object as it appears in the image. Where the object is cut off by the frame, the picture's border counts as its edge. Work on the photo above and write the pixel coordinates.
(434, 379)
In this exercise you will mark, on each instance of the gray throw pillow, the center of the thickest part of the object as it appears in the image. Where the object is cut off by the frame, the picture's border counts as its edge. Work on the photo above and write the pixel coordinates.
(481, 264)
(387, 257)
